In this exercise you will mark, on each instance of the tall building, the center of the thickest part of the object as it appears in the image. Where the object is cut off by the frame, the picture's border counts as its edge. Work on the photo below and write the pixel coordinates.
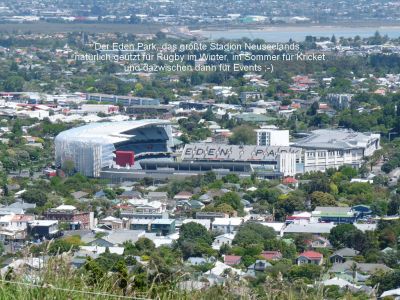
(340, 101)
(272, 136)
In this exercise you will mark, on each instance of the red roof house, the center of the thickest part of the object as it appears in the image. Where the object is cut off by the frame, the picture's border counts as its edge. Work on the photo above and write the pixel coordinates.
(232, 260)
(290, 181)
(271, 255)
(310, 257)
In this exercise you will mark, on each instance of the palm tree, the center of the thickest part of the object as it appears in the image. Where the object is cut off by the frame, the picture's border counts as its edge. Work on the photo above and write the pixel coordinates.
(354, 268)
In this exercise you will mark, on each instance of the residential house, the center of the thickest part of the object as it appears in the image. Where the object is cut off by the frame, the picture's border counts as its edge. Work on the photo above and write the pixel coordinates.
(259, 266)
(305, 227)
(79, 195)
(126, 195)
(111, 223)
(151, 207)
(210, 215)
(14, 227)
(188, 205)
(271, 255)
(7, 210)
(361, 274)
(70, 214)
(319, 242)
(158, 196)
(22, 205)
(140, 224)
(341, 255)
(226, 225)
(117, 238)
(184, 195)
(290, 181)
(220, 268)
(310, 257)
(223, 239)
(43, 229)
(132, 214)
(245, 96)
(299, 217)
(196, 261)
(232, 260)
(163, 226)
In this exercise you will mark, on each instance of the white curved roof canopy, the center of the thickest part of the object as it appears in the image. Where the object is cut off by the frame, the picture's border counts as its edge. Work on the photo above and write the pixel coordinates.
(106, 132)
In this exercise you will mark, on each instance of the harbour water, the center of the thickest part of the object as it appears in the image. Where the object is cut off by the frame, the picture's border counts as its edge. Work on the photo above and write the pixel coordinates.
(298, 33)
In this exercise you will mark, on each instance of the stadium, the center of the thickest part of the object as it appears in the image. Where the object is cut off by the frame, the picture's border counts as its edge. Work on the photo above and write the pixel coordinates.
(132, 150)
(106, 144)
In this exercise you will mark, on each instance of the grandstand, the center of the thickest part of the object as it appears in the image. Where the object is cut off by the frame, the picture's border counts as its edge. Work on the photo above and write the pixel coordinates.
(92, 147)
(279, 159)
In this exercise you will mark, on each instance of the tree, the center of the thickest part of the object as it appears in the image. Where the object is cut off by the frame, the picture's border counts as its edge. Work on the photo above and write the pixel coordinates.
(354, 269)
(194, 232)
(68, 167)
(122, 273)
(322, 199)
(243, 135)
(94, 272)
(59, 246)
(302, 241)
(232, 199)
(145, 244)
(253, 233)
(386, 281)
(347, 235)
(35, 196)
(209, 177)
(394, 206)
(194, 240)
(14, 84)
(309, 271)
(231, 178)
(312, 111)
(349, 172)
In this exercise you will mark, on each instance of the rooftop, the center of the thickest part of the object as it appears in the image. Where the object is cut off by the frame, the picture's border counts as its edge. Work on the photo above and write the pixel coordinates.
(316, 228)
(106, 132)
(336, 139)
(227, 221)
(333, 211)
(312, 255)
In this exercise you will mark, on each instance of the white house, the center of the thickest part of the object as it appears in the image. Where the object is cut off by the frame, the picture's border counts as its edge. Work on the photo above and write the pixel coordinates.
(223, 239)
(226, 225)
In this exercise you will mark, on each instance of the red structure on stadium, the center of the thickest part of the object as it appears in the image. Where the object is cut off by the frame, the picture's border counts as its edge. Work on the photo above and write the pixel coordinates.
(124, 158)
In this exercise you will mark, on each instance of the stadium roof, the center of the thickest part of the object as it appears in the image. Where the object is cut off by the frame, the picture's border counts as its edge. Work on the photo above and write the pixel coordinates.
(336, 139)
(106, 132)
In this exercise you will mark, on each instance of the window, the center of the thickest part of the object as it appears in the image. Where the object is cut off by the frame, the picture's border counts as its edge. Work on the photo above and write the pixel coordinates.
(310, 154)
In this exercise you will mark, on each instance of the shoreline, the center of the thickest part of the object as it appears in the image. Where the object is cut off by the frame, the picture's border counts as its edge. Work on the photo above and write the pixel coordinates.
(48, 27)
(362, 23)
